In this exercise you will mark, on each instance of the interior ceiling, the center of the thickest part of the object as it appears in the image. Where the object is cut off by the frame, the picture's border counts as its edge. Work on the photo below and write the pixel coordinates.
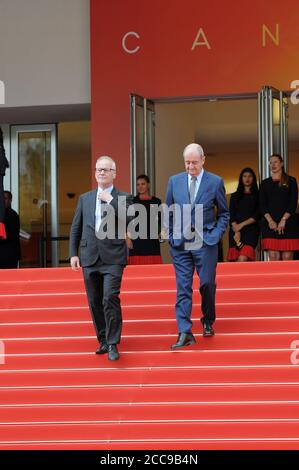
(222, 125)
(225, 124)
(74, 139)
(45, 114)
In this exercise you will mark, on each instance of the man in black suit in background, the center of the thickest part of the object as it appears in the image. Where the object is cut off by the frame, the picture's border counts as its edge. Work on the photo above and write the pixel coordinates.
(10, 249)
(3, 166)
(102, 256)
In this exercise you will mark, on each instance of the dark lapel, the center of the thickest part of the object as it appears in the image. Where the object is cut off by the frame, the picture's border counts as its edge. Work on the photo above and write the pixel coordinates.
(92, 206)
(114, 192)
(185, 189)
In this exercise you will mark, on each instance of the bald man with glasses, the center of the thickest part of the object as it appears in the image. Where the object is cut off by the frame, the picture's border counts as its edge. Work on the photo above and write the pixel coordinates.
(102, 256)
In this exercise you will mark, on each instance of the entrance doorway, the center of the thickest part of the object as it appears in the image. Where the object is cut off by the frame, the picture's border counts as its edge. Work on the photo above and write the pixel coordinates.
(50, 166)
(235, 131)
(227, 131)
(34, 189)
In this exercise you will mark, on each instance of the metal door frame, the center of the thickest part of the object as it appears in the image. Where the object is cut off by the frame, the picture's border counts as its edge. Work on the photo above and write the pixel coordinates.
(148, 141)
(14, 171)
(265, 127)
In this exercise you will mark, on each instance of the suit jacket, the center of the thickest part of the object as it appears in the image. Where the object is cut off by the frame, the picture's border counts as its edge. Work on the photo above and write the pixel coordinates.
(211, 194)
(111, 251)
(3, 160)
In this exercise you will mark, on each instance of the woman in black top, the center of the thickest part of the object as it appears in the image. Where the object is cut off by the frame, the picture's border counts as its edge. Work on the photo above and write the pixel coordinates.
(244, 218)
(278, 203)
(146, 251)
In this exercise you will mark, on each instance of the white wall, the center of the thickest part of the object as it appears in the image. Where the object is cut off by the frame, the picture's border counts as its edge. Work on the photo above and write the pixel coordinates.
(227, 130)
(44, 52)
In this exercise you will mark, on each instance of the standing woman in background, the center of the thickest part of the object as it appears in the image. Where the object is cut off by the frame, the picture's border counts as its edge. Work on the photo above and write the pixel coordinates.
(146, 251)
(244, 218)
(278, 203)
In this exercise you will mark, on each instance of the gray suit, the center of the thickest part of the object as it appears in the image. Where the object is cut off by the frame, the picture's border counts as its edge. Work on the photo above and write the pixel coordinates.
(103, 261)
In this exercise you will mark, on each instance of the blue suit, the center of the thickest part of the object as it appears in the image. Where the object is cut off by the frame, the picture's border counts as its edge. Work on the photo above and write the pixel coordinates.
(211, 194)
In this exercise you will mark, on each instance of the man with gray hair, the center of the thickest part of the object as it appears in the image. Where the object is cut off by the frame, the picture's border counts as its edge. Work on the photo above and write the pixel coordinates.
(99, 228)
(195, 244)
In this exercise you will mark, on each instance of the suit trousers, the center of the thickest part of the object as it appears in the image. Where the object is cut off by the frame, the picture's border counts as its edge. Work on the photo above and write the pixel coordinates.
(102, 285)
(185, 262)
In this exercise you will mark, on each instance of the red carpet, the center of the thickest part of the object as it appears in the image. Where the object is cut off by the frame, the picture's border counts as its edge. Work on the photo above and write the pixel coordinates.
(238, 390)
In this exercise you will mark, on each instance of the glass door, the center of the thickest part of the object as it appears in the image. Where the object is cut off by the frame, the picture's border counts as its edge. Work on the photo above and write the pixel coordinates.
(273, 130)
(142, 140)
(273, 127)
(34, 189)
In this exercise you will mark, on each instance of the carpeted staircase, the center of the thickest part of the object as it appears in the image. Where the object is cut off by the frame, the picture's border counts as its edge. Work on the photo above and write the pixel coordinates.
(237, 390)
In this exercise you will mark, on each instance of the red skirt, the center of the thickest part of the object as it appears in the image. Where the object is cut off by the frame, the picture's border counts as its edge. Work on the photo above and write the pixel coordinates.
(247, 250)
(290, 244)
(2, 231)
(151, 259)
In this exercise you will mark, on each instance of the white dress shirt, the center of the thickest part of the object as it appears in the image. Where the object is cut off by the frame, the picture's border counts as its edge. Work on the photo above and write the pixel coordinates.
(98, 206)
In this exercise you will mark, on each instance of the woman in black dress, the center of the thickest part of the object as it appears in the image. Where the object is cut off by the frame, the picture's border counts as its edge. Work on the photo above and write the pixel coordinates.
(244, 218)
(278, 203)
(146, 251)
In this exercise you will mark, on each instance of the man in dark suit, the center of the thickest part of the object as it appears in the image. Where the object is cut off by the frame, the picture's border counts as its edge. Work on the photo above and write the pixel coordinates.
(103, 252)
(194, 242)
(3, 166)
(10, 249)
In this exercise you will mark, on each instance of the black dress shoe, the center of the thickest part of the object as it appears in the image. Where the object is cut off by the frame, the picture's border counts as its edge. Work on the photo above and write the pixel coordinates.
(184, 339)
(103, 349)
(113, 353)
(208, 330)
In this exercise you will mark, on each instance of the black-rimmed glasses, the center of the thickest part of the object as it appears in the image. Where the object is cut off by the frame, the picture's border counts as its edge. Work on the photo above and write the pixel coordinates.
(105, 170)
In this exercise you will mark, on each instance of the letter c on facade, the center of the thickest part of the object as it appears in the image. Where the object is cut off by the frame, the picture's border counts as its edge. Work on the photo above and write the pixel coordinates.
(126, 49)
